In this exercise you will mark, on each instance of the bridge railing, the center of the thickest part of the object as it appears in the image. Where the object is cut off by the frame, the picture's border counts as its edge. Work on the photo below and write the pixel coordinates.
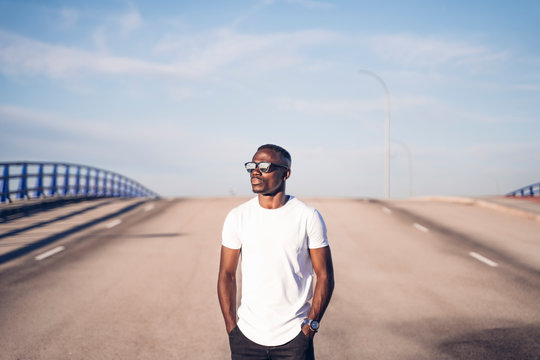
(530, 190)
(26, 179)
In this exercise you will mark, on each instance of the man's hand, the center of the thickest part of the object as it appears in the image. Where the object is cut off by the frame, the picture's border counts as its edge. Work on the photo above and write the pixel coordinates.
(307, 331)
(230, 329)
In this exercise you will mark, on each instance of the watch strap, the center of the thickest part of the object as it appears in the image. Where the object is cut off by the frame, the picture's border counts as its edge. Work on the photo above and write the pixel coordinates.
(310, 322)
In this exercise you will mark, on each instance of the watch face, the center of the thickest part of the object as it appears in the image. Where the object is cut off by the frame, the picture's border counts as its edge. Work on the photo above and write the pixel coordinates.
(314, 325)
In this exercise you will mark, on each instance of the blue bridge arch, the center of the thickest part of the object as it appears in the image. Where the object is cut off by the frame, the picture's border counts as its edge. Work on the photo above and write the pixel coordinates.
(29, 179)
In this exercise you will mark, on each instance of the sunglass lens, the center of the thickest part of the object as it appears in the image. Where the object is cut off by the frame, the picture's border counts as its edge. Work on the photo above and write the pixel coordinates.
(250, 166)
(264, 167)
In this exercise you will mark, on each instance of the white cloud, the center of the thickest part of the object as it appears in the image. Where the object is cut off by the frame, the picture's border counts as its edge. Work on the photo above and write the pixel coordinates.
(507, 163)
(223, 51)
(43, 120)
(329, 107)
(129, 21)
(312, 4)
(153, 133)
(158, 137)
(486, 118)
(22, 56)
(349, 108)
(69, 17)
(100, 38)
(199, 56)
(183, 93)
(116, 28)
(428, 51)
(527, 87)
(258, 6)
(220, 47)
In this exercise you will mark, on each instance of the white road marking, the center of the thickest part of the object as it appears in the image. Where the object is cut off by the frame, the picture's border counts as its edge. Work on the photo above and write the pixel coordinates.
(421, 228)
(483, 259)
(113, 223)
(386, 210)
(51, 252)
(149, 207)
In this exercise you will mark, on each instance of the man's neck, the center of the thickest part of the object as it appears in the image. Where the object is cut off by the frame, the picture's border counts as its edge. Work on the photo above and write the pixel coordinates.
(273, 201)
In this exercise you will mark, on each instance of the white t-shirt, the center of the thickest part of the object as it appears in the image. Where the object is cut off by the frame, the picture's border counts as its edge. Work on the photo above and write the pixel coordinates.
(277, 274)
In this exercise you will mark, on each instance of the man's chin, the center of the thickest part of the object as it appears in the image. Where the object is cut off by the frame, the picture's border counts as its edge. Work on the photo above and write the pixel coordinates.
(262, 191)
(257, 189)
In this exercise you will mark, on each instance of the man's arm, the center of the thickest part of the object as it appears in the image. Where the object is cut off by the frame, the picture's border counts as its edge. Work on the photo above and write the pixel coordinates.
(226, 285)
(321, 259)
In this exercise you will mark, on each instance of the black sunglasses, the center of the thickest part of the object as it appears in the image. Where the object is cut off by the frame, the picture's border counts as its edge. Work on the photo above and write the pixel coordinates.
(263, 166)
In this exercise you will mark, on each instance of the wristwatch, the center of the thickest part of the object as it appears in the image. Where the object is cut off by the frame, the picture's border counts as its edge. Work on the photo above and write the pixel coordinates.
(313, 324)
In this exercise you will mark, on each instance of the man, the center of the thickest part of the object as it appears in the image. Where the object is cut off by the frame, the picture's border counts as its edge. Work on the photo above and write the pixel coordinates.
(283, 242)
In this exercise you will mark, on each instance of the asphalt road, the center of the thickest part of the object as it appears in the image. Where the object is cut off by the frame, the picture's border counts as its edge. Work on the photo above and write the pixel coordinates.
(414, 280)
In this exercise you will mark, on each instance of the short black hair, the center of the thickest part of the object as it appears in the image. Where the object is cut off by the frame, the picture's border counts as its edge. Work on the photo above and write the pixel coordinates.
(278, 149)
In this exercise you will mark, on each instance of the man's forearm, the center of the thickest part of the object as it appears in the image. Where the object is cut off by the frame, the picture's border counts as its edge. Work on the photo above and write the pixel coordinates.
(227, 299)
(321, 296)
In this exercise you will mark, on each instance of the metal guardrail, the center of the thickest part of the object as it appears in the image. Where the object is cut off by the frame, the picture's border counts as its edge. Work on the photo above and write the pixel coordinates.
(530, 190)
(64, 179)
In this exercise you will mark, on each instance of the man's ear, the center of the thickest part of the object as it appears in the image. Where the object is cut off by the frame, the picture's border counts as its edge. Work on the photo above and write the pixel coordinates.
(287, 174)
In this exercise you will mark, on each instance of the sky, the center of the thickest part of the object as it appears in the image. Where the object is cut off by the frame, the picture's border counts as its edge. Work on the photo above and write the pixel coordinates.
(178, 95)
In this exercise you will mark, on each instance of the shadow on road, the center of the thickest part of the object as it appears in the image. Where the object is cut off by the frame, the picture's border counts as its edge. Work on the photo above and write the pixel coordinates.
(156, 235)
(495, 344)
(55, 237)
(10, 212)
(92, 206)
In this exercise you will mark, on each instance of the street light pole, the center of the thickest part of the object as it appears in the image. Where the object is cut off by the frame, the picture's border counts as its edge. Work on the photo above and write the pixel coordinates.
(386, 131)
(409, 156)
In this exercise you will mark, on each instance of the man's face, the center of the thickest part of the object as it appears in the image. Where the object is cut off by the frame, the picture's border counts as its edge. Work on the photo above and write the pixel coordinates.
(271, 182)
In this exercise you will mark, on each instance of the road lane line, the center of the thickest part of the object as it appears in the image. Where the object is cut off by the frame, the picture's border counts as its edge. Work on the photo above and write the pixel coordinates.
(149, 207)
(483, 259)
(421, 228)
(113, 223)
(386, 210)
(49, 253)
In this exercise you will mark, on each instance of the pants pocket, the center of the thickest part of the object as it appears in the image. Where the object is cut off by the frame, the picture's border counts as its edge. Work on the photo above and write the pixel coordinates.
(233, 331)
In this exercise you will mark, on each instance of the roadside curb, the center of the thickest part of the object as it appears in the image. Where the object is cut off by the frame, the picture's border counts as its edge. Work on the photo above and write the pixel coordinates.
(483, 203)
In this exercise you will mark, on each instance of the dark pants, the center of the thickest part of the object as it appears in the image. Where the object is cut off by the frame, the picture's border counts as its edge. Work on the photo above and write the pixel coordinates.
(299, 348)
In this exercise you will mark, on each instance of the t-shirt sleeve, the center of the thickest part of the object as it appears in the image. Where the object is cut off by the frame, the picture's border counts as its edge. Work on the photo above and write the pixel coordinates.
(229, 234)
(316, 231)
